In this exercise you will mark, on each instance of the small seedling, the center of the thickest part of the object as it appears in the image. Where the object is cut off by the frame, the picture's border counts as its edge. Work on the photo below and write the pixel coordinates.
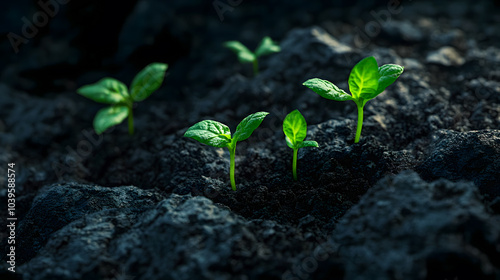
(366, 81)
(266, 47)
(295, 129)
(113, 92)
(218, 135)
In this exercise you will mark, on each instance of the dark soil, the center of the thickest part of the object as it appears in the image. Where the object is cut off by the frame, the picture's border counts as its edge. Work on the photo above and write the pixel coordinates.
(417, 198)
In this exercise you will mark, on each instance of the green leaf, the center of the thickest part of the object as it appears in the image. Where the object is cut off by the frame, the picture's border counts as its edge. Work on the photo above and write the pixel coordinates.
(267, 46)
(211, 133)
(308, 144)
(295, 128)
(147, 81)
(244, 54)
(388, 75)
(363, 80)
(107, 90)
(327, 89)
(108, 117)
(248, 125)
(289, 142)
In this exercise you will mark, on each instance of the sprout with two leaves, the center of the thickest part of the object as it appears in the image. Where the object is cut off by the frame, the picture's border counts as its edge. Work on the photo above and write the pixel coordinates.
(366, 81)
(113, 92)
(218, 135)
(295, 129)
(266, 47)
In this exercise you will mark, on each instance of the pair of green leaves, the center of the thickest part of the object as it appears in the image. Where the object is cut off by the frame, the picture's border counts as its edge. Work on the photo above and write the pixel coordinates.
(266, 47)
(366, 81)
(218, 135)
(113, 92)
(295, 129)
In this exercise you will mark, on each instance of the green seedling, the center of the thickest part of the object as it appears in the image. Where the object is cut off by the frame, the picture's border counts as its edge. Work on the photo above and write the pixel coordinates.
(295, 129)
(366, 81)
(218, 135)
(266, 47)
(113, 92)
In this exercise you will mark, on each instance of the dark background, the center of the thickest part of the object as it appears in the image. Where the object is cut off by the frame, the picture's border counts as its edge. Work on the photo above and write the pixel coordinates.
(86, 39)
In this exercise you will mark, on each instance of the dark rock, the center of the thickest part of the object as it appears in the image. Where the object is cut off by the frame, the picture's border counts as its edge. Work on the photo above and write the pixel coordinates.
(472, 156)
(405, 228)
(454, 38)
(181, 238)
(321, 49)
(37, 116)
(405, 32)
(142, 26)
(446, 56)
(495, 205)
(58, 205)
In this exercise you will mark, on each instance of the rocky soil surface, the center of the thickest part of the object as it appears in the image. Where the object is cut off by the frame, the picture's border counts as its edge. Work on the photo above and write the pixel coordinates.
(417, 198)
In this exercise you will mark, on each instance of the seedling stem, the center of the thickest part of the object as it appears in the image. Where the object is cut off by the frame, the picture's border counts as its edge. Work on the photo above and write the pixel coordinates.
(295, 129)
(366, 81)
(255, 67)
(295, 151)
(360, 122)
(232, 152)
(130, 121)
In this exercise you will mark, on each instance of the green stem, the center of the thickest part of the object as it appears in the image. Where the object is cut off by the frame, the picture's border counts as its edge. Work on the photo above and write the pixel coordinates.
(232, 152)
(255, 67)
(295, 164)
(130, 120)
(360, 122)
